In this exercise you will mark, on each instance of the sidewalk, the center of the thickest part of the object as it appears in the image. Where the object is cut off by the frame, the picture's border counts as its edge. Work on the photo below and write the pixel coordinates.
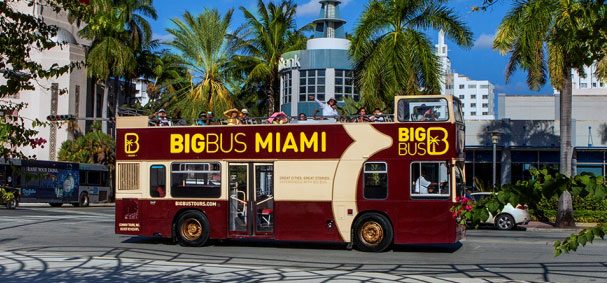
(549, 227)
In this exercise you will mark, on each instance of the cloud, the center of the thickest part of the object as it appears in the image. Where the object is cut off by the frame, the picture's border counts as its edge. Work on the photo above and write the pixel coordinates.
(312, 8)
(484, 41)
(167, 37)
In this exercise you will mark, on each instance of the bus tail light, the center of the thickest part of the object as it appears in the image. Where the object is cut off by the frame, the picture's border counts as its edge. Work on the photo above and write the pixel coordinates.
(521, 207)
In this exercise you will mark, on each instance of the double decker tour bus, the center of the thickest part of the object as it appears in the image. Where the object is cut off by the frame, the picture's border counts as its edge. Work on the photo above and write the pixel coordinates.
(368, 184)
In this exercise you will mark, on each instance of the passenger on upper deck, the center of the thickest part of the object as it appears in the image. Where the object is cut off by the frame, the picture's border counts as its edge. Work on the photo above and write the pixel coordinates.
(232, 115)
(244, 114)
(162, 119)
(278, 118)
(329, 109)
(202, 119)
(378, 116)
(210, 119)
(361, 116)
(302, 117)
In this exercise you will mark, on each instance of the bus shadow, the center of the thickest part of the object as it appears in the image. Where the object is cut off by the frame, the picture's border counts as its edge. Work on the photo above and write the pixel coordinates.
(264, 243)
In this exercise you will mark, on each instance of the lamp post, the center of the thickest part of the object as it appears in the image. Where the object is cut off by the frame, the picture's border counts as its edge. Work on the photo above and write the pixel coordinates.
(494, 139)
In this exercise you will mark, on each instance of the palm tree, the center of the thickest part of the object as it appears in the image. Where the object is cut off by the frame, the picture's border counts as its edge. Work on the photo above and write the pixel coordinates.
(110, 55)
(274, 33)
(132, 12)
(530, 29)
(206, 49)
(138, 33)
(392, 54)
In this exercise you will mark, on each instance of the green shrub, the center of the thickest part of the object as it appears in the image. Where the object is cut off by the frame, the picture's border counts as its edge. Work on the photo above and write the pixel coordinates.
(586, 209)
(582, 216)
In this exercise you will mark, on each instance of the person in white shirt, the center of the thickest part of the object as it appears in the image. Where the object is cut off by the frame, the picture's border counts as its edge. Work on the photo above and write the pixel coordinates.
(422, 185)
(328, 109)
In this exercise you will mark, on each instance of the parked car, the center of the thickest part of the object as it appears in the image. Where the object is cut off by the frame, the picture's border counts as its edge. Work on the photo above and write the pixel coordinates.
(510, 215)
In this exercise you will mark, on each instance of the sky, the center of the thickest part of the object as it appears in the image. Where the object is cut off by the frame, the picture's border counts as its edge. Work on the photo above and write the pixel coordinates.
(480, 62)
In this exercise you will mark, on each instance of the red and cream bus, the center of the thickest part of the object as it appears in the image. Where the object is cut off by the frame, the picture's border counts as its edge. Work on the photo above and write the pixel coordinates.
(370, 184)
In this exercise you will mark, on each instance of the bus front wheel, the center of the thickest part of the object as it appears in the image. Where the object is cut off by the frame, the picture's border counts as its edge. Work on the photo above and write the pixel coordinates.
(192, 229)
(373, 233)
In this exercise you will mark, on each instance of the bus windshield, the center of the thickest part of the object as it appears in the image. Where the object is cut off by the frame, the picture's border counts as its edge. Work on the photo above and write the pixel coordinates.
(423, 109)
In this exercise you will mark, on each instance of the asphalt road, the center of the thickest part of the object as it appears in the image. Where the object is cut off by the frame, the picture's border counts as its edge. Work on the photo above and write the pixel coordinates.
(40, 243)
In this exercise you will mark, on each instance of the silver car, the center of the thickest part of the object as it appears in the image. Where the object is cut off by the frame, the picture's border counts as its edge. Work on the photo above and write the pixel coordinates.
(510, 215)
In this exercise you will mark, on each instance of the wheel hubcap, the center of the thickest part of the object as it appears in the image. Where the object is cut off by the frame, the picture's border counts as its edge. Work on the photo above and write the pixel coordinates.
(191, 229)
(504, 222)
(372, 233)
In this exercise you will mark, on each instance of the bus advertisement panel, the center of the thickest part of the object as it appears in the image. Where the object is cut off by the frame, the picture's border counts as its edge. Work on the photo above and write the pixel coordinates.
(55, 182)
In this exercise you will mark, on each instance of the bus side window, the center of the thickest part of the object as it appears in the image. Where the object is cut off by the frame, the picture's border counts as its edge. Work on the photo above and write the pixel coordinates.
(375, 181)
(430, 179)
(196, 180)
(83, 179)
(157, 181)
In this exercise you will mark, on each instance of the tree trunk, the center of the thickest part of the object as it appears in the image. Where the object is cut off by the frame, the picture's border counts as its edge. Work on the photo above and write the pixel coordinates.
(565, 125)
(271, 97)
(104, 105)
(564, 216)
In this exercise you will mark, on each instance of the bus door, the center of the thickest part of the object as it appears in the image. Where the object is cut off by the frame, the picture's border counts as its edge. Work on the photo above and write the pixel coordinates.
(251, 199)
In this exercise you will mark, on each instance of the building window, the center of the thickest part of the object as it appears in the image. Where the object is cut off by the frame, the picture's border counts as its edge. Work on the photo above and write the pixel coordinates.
(312, 83)
(593, 84)
(473, 96)
(462, 86)
(472, 113)
(485, 96)
(287, 87)
(473, 105)
(196, 180)
(485, 105)
(602, 84)
(485, 113)
(471, 86)
(344, 85)
(461, 97)
(429, 179)
(583, 85)
(375, 182)
(484, 86)
(157, 181)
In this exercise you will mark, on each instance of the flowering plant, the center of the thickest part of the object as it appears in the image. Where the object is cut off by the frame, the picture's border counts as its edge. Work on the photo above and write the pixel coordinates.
(462, 209)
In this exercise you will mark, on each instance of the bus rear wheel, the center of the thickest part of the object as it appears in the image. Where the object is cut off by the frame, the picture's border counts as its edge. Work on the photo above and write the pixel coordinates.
(192, 229)
(373, 233)
(83, 201)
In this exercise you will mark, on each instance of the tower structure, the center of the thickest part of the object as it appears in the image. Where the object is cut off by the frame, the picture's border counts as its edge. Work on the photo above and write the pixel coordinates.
(323, 71)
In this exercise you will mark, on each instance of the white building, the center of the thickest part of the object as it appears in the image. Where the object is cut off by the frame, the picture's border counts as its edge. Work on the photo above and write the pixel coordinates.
(589, 85)
(83, 98)
(141, 91)
(477, 96)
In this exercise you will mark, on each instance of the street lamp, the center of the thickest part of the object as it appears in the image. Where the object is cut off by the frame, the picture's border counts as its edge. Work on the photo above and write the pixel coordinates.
(495, 135)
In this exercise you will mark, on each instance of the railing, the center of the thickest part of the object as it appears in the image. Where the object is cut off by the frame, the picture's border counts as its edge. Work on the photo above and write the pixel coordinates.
(277, 120)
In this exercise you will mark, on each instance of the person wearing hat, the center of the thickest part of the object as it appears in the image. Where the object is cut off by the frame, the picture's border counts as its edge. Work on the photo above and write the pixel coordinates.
(232, 115)
(244, 114)
(164, 121)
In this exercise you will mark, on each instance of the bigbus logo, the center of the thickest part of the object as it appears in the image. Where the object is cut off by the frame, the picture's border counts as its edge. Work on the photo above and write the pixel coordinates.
(422, 141)
(131, 143)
